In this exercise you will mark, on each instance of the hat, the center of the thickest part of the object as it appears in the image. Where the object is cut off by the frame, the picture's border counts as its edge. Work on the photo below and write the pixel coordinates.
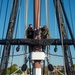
(45, 26)
(30, 25)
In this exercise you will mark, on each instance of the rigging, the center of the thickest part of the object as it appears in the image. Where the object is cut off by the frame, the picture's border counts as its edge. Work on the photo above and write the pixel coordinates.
(9, 35)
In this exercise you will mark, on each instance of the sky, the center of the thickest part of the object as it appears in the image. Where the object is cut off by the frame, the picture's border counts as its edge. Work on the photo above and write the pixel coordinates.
(21, 26)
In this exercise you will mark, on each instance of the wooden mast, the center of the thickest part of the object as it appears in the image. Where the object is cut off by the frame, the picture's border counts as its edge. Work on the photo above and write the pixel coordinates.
(37, 63)
(37, 14)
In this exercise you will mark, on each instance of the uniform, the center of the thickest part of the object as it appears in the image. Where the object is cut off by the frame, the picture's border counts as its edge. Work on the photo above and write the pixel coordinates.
(29, 35)
(44, 35)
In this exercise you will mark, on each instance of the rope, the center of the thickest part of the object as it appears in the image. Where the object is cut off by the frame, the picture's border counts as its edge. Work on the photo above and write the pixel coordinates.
(5, 18)
(47, 13)
(43, 67)
(13, 47)
(48, 51)
(40, 12)
(17, 24)
(1, 7)
(66, 19)
(26, 23)
(55, 35)
(71, 16)
(26, 16)
(47, 22)
(62, 39)
(15, 36)
(45, 52)
(55, 24)
(4, 22)
(30, 66)
(58, 55)
(12, 58)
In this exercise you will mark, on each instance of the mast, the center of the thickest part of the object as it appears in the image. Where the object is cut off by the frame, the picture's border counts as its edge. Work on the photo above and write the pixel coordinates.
(37, 63)
(37, 14)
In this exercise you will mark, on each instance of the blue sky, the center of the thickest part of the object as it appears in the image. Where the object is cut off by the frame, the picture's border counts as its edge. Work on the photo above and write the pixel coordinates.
(53, 25)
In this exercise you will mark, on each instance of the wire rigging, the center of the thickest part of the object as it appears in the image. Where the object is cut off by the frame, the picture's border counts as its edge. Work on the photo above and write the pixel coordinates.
(5, 18)
(47, 13)
(47, 24)
(26, 16)
(26, 23)
(68, 25)
(16, 32)
(4, 23)
(1, 7)
(45, 52)
(17, 24)
(25, 28)
(71, 16)
(18, 15)
(61, 35)
(13, 47)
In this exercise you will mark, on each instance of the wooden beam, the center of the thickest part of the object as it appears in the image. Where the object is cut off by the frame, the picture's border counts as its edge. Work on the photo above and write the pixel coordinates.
(36, 42)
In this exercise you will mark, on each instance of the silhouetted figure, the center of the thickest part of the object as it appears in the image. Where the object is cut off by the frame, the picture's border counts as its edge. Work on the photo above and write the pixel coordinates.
(29, 32)
(30, 35)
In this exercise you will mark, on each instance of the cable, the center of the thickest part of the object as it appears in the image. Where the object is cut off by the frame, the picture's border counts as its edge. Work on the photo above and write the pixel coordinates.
(16, 30)
(4, 22)
(17, 23)
(9, 35)
(12, 58)
(48, 56)
(47, 13)
(26, 15)
(55, 26)
(30, 66)
(43, 67)
(1, 7)
(26, 23)
(55, 49)
(71, 16)
(40, 11)
(61, 35)
(65, 15)
(13, 47)
(25, 28)
(45, 52)
(5, 18)
(47, 24)
(70, 62)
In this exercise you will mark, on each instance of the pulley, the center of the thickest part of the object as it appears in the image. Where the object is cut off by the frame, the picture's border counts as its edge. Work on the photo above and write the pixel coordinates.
(55, 49)
(18, 48)
(50, 67)
(24, 67)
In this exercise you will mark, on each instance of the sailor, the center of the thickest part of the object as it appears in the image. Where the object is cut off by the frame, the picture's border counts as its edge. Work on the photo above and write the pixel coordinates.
(29, 35)
(45, 35)
(29, 32)
(37, 33)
